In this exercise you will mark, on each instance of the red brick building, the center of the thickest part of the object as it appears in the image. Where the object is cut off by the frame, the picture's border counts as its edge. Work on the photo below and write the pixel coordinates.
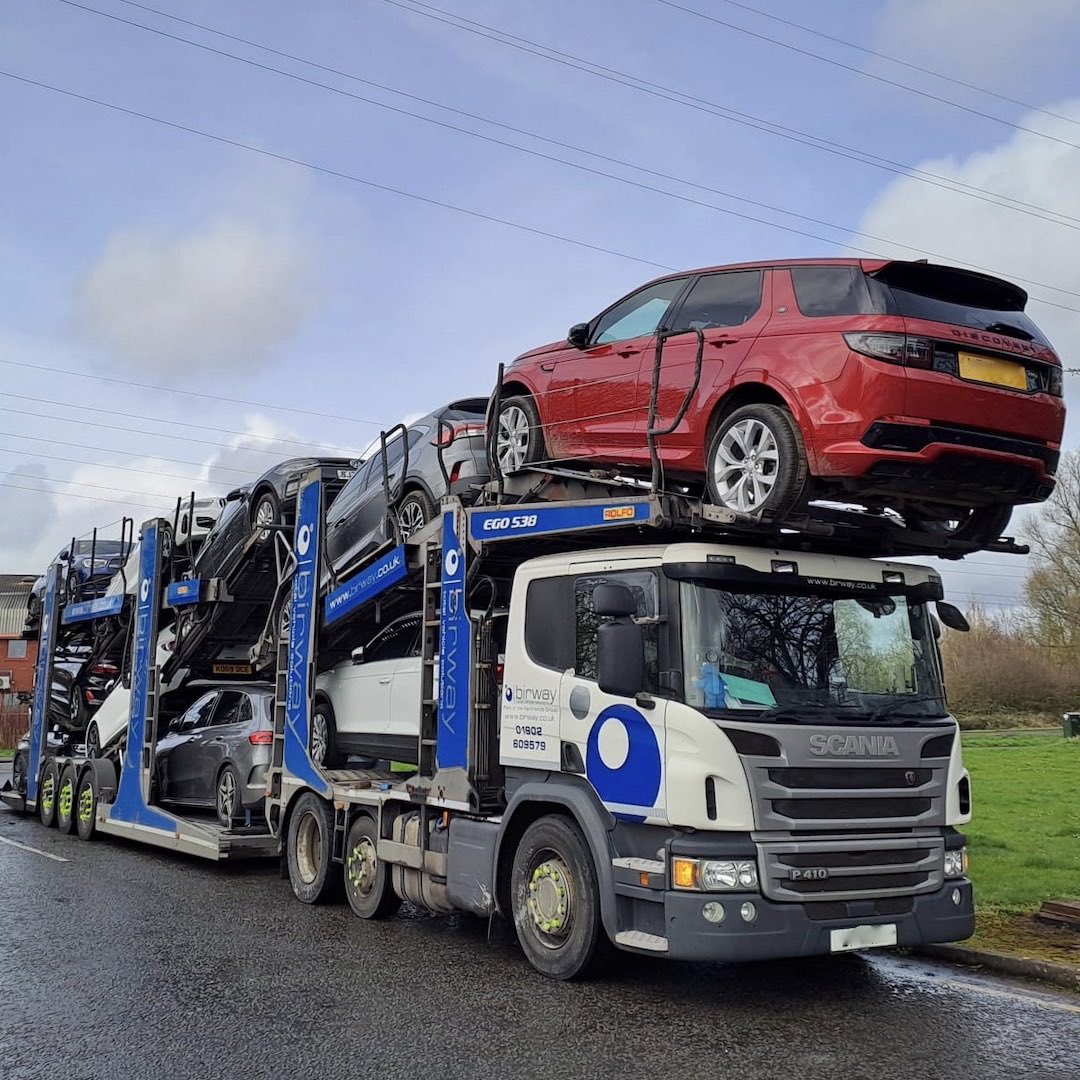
(17, 655)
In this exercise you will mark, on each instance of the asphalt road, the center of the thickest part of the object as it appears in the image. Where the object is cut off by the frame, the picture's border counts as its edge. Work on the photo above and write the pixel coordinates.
(126, 962)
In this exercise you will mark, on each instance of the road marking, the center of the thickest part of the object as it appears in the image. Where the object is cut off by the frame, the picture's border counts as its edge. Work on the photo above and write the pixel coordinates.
(34, 850)
(1028, 999)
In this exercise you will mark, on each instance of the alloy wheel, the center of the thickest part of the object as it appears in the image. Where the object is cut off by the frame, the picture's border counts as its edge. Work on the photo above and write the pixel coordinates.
(412, 517)
(320, 738)
(512, 439)
(745, 465)
(227, 796)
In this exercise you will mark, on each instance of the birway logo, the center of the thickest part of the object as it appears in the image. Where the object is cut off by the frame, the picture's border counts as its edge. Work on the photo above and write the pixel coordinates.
(303, 539)
(531, 695)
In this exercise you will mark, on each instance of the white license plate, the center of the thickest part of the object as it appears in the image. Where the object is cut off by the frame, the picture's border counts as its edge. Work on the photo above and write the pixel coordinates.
(346, 474)
(862, 937)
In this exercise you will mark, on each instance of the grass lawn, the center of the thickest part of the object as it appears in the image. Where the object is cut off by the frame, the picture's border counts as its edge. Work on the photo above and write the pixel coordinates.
(6, 755)
(1023, 839)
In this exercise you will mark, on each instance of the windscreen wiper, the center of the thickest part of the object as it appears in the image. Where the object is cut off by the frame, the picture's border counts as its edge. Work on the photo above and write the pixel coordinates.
(894, 707)
(1011, 330)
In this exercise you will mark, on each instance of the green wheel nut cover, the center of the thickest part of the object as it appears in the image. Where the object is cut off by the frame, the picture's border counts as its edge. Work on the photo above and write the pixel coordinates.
(557, 920)
(86, 804)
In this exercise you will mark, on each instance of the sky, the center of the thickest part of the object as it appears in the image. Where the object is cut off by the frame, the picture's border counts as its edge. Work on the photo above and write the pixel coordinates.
(208, 265)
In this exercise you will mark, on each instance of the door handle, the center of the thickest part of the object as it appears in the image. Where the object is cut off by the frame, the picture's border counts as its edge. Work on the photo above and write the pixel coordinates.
(340, 521)
(547, 367)
(385, 682)
(720, 342)
(625, 352)
(218, 738)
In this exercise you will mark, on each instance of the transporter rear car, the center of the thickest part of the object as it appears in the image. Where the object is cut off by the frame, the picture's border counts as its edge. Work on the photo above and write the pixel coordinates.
(903, 385)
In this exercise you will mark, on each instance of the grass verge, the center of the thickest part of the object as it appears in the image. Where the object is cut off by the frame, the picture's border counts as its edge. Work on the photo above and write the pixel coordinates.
(6, 755)
(1024, 841)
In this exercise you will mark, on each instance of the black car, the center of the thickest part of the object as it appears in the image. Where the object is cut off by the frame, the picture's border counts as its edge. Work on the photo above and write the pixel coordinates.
(356, 522)
(270, 500)
(80, 683)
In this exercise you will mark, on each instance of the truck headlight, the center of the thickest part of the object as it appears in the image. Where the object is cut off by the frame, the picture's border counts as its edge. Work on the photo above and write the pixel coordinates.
(956, 862)
(728, 875)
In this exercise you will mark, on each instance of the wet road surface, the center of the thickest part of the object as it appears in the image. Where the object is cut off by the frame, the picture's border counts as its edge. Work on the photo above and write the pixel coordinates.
(123, 961)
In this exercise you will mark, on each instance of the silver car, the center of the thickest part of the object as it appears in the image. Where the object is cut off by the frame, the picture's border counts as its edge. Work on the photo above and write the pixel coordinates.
(215, 754)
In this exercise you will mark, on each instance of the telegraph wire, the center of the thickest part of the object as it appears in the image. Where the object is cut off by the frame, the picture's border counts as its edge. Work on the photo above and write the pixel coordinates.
(711, 108)
(122, 468)
(867, 74)
(885, 56)
(846, 230)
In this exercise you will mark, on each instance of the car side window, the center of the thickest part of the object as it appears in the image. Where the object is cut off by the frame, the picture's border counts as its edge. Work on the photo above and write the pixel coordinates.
(821, 291)
(639, 314)
(395, 641)
(726, 299)
(351, 491)
(230, 709)
(643, 584)
(198, 716)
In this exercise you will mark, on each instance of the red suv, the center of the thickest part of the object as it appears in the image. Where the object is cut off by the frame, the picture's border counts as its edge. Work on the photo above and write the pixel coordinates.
(921, 388)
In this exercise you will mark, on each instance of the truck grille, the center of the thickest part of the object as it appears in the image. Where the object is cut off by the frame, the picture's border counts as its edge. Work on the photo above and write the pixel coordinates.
(795, 790)
(845, 869)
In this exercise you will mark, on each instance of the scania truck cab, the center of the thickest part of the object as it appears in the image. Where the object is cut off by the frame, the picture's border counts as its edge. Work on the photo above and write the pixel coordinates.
(754, 744)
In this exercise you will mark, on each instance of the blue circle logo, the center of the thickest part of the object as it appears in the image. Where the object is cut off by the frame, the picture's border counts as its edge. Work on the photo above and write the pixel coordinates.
(636, 780)
(509, 694)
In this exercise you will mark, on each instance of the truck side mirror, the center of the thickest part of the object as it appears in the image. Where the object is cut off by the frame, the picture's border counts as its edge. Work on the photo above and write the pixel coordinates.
(578, 335)
(620, 645)
(358, 654)
(620, 658)
(952, 616)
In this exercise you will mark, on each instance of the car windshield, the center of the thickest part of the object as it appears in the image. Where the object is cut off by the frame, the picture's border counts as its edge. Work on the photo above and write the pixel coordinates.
(102, 547)
(788, 654)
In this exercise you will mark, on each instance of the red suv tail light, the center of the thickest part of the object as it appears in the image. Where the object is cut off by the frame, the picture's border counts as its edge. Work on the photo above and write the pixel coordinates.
(104, 669)
(261, 738)
(447, 435)
(894, 348)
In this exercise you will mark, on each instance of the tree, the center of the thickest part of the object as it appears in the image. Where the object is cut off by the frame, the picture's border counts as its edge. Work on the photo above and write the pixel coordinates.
(1052, 588)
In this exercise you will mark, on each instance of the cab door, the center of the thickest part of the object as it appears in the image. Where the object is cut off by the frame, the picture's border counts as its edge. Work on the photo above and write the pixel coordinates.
(730, 308)
(620, 741)
(594, 402)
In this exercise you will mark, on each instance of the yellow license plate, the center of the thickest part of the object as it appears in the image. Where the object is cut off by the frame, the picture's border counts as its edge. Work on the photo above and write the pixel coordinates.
(231, 669)
(988, 369)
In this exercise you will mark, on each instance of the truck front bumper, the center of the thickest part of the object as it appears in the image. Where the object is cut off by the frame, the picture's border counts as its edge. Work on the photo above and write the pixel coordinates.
(790, 929)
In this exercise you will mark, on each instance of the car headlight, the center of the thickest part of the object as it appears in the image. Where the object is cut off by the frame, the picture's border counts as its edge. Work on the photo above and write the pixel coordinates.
(714, 875)
(956, 862)
(100, 564)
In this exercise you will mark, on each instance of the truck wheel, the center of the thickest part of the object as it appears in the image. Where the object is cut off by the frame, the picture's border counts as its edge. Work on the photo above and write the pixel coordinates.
(227, 797)
(50, 780)
(757, 462)
(86, 799)
(312, 873)
(65, 801)
(367, 879)
(555, 899)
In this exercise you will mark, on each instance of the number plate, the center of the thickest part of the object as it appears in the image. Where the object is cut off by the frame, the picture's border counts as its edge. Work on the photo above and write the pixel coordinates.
(988, 369)
(346, 474)
(231, 669)
(862, 937)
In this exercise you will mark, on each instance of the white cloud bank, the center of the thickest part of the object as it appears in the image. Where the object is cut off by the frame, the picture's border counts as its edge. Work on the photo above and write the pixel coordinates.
(225, 295)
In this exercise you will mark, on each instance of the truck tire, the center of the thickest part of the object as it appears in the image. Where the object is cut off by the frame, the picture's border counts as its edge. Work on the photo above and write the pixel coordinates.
(65, 801)
(555, 899)
(367, 878)
(86, 800)
(46, 798)
(315, 878)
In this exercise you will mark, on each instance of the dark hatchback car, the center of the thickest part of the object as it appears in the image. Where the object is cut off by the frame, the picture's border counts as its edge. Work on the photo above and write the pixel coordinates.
(356, 522)
(80, 683)
(86, 570)
(215, 754)
(269, 501)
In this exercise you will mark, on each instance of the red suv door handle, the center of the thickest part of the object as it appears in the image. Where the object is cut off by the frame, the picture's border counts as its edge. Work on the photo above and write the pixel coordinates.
(627, 352)
(720, 342)
(547, 367)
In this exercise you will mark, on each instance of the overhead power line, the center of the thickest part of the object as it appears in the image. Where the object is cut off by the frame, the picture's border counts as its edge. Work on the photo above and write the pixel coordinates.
(891, 59)
(337, 173)
(127, 414)
(625, 180)
(712, 108)
(940, 99)
(105, 465)
(73, 495)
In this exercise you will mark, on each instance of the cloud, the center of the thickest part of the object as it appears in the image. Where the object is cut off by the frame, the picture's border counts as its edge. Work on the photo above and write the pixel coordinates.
(1013, 245)
(995, 43)
(223, 295)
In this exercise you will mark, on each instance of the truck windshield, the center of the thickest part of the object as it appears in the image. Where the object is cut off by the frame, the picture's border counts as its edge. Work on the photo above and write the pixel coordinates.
(783, 654)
